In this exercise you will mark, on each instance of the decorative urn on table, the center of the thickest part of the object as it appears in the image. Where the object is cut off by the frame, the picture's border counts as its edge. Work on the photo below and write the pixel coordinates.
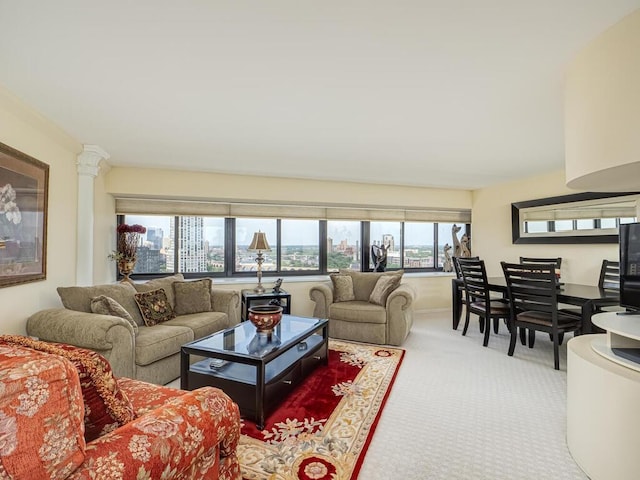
(127, 247)
(265, 317)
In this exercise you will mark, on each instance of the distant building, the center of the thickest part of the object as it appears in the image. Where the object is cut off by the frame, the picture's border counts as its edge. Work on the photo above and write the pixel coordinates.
(192, 254)
(150, 260)
(154, 237)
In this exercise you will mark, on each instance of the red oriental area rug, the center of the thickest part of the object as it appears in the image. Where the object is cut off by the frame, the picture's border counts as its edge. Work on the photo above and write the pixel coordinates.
(323, 428)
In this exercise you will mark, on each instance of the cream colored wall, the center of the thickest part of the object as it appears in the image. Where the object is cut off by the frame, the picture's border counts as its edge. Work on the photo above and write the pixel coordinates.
(602, 111)
(198, 185)
(491, 230)
(25, 130)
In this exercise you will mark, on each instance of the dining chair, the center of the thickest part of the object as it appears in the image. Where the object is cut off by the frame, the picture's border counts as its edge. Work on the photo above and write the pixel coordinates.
(533, 298)
(478, 297)
(609, 275)
(557, 261)
(456, 269)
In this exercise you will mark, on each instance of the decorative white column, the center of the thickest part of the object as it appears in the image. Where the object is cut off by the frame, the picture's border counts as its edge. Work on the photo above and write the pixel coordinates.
(88, 165)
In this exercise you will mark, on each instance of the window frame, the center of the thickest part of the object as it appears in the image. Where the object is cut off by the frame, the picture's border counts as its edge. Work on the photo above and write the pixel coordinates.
(230, 251)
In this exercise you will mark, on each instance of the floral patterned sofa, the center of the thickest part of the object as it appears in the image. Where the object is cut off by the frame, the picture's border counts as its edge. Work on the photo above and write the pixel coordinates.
(64, 415)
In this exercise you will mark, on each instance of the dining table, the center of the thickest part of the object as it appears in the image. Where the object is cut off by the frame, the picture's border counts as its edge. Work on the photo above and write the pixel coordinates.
(587, 297)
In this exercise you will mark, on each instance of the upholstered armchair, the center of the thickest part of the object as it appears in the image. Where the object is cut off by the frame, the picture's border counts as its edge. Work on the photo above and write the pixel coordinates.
(65, 416)
(369, 307)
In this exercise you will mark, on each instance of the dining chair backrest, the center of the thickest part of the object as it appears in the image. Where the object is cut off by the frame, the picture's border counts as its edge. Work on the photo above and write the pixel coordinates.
(456, 267)
(474, 277)
(609, 275)
(531, 287)
(557, 261)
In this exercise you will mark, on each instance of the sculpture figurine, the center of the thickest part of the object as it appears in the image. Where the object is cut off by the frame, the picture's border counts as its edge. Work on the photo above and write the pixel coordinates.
(276, 285)
(448, 264)
(465, 251)
(379, 257)
(460, 247)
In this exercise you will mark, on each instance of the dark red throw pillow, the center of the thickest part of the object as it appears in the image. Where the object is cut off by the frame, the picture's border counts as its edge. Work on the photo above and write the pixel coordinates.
(106, 406)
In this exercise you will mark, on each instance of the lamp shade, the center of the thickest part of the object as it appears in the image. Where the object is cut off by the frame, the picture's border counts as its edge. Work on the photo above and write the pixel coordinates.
(259, 243)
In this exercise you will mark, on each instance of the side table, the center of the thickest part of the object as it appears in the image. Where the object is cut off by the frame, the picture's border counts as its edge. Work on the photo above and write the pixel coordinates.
(250, 299)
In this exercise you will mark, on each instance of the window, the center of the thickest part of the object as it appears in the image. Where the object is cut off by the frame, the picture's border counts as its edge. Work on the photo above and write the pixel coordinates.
(418, 245)
(537, 226)
(199, 246)
(300, 245)
(156, 253)
(387, 234)
(246, 260)
(445, 237)
(343, 245)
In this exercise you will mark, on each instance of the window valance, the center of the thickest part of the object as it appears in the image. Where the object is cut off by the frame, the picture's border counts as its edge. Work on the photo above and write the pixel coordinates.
(148, 206)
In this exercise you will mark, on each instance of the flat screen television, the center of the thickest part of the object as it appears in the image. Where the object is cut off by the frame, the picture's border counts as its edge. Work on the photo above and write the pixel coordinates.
(630, 266)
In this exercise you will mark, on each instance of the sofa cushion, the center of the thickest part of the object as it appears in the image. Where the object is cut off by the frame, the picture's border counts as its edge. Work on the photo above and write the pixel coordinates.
(164, 282)
(79, 298)
(41, 414)
(106, 407)
(357, 311)
(192, 296)
(384, 286)
(160, 341)
(108, 306)
(342, 287)
(202, 324)
(365, 282)
(154, 307)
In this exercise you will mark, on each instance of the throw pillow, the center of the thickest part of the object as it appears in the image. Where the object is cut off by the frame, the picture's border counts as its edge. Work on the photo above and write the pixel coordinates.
(108, 306)
(164, 282)
(106, 407)
(79, 298)
(192, 296)
(384, 286)
(342, 288)
(154, 307)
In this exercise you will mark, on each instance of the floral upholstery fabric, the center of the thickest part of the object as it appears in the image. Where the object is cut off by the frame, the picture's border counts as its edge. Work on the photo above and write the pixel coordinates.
(41, 415)
(182, 435)
(106, 407)
(176, 435)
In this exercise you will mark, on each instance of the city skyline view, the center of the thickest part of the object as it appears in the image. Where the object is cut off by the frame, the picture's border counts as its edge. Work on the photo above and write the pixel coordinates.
(202, 244)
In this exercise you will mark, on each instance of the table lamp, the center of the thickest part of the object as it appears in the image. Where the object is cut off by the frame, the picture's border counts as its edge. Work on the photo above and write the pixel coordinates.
(259, 244)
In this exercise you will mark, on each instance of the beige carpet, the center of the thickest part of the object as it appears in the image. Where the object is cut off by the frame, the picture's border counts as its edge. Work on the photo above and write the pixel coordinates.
(462, 411)
(459, 411)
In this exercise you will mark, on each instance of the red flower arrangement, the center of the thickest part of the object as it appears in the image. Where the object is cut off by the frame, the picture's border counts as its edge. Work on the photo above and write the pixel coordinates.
(127, 244)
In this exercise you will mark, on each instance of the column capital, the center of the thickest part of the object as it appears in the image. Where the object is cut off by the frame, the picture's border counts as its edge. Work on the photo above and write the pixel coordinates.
(88, 162)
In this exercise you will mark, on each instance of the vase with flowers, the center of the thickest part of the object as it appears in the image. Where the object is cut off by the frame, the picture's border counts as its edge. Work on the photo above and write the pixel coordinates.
(127, 247)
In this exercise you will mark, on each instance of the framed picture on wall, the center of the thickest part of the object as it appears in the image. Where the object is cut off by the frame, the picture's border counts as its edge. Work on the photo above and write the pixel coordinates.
(24, 188)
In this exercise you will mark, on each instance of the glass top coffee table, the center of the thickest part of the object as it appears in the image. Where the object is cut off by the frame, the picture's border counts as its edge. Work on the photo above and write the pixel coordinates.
(257, 370)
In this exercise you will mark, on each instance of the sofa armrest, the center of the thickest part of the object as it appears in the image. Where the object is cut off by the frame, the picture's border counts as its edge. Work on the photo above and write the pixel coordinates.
(110, 336)
(402, 297)
(226, 301)
(322, 294)
(400, 313)
(184, 438)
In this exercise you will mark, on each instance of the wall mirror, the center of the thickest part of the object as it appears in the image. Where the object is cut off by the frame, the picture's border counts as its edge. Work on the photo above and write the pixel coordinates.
(578, 218)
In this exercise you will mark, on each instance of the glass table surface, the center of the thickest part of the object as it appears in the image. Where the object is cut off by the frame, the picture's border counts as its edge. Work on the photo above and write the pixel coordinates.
(243, 339)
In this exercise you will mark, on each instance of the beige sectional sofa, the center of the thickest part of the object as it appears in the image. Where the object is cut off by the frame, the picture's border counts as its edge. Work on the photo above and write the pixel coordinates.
(359, 311)
(135, 347)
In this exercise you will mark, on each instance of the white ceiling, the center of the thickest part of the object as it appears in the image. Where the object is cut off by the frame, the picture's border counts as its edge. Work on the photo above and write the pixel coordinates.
(459, 94)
